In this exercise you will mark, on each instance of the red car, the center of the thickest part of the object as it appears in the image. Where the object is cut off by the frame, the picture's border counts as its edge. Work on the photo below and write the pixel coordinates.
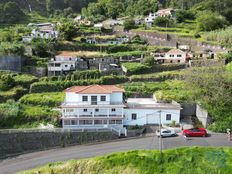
(195, 132)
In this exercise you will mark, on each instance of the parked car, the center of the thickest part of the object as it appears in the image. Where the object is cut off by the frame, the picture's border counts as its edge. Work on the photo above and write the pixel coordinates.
(195, 132)
(165, 133)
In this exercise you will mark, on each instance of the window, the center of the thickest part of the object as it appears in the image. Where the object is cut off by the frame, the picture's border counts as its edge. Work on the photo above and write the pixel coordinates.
(171, 61)
(97, 121)
(84, 98)
(118, 121)
(66, 66)
(73, 122)
(112, 121)
(85, 110)
(66, 122)
(168, 116)
(179, 55)
(103, 98)
(113, 109)
(85, 122)
(96, 110)
(69, 110)
(134, 116)
(178, 61)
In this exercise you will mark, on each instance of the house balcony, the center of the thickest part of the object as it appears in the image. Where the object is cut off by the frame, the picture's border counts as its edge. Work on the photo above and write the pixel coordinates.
(91, 104)
(94, 116)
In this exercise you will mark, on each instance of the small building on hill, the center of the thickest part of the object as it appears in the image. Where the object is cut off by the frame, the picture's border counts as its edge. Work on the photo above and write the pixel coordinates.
(173, 56)
(168, 12)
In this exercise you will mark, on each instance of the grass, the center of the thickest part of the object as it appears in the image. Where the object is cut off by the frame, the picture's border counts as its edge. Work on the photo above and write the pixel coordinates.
(197, 160)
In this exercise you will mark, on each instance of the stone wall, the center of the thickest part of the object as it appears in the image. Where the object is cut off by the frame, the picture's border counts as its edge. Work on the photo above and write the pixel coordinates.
(12, 144)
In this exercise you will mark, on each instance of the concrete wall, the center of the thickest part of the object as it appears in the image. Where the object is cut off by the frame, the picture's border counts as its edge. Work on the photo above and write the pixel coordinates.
(150, 116)
(11, 63)
(16, 143)
(202, 116)
(188, 109)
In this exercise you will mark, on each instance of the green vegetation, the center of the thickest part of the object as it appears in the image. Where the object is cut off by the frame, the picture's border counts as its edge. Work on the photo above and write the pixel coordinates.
(43, 99)
(186, 160)
(222, 36)
(133, 68)
(208, 21)
(11, 13)
(136, 68)
(16, 115)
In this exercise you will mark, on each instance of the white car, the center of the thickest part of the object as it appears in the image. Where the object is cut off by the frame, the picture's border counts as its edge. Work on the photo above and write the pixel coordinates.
(166, 133)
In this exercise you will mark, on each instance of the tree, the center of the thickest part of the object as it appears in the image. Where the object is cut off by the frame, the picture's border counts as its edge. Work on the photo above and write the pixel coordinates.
(182, 15)
(68, 30)
(163, 22)
(208, 21)
(129, 24)
(149, 61)
(11, 13)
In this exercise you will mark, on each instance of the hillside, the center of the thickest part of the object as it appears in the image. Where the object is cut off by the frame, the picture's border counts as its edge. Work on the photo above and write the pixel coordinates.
(49, 6)
(197, 160)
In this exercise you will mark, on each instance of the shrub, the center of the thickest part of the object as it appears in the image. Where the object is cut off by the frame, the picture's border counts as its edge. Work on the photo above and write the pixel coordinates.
(163, 22)
(136, 68)
(13, 93)
(57, 86)
(129, 24)
(113, 79)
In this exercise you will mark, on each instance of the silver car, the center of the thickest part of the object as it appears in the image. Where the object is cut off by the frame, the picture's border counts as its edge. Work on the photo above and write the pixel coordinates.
(166, 133)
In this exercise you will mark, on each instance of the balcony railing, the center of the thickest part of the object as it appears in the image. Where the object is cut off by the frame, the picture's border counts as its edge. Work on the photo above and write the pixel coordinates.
(84, 104)
(91, 116)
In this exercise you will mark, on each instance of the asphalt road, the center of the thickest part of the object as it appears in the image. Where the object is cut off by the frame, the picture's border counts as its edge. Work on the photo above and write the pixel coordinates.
(32, 160)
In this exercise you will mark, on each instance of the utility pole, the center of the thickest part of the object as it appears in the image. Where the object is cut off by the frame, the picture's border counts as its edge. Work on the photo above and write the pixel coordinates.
(160, 139)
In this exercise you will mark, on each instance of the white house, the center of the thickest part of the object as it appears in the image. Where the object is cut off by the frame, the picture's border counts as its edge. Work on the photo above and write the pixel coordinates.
(43, 31)
(62, 64)
(150, 19)
(168, 12)
(103, 106)
(173, 56)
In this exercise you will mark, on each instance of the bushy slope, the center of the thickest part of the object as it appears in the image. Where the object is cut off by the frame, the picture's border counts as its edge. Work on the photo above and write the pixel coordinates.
(195, 160)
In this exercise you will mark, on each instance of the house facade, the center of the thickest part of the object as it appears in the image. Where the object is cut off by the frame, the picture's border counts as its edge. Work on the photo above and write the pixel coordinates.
(173, 56)
(168, 12)
(65, 63)
(43, 31)
(103, 106)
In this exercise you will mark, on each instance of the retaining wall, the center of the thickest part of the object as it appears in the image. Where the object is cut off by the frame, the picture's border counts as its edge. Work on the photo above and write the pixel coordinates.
(12, 144)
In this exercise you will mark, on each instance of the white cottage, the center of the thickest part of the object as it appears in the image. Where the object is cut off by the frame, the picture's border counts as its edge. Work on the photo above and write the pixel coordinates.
(103, 106)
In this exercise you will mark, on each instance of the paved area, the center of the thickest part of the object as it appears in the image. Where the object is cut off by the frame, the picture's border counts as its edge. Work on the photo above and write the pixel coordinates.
(36, 159)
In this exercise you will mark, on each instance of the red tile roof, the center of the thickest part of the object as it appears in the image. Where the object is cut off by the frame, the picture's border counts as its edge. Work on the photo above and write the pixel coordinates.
(66, 53)
(175, 51)
(95, 89)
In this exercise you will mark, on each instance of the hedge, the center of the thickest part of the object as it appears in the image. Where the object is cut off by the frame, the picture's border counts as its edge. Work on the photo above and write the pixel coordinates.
(154, 77)
(77, 75)
(61, 46)
(57, 86)
(53, 99)
(139, 68)
(13, 93)
(113, 79)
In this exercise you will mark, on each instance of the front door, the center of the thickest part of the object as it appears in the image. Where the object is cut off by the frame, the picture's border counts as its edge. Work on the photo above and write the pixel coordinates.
(93, 100)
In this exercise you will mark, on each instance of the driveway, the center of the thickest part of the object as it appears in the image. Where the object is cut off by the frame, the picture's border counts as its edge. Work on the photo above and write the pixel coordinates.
(36, 159)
